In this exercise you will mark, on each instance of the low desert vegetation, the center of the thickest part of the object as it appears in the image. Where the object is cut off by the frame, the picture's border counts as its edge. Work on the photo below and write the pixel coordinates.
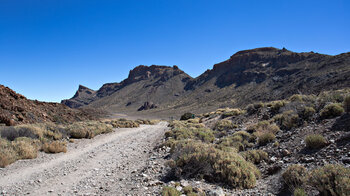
(255, 156)
(24, 141)
(224, 125)
(294, 176)
(331, 180)
(195, 159)
(332, 110)
(170, 191)
(187, 116)
(315, 141)
(227, 146)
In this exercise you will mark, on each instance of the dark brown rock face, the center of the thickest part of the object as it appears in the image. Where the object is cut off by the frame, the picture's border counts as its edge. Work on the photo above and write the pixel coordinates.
(17, 109)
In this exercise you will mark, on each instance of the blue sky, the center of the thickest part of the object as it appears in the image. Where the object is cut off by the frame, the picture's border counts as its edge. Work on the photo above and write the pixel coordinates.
(49, 47)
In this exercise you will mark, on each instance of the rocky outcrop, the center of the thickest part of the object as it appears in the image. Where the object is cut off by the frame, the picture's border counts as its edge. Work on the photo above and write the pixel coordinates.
(17, 109)
(147, 106)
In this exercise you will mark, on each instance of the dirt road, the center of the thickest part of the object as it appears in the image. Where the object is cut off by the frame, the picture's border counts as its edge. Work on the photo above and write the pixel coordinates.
(103, 165)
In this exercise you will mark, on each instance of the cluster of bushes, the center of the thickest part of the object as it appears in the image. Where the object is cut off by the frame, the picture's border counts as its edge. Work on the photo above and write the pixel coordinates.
(124, 123)
(24, 141)
(240, 140)
(330, 179)
(195, 159)
(264, 131)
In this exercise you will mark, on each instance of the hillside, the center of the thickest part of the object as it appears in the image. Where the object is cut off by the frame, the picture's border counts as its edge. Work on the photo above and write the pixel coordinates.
(17, 109)
(261, 74)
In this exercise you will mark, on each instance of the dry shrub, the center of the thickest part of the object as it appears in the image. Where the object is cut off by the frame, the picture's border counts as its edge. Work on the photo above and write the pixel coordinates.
(275, 106)
(88, 129)
(294, 176)
(332, 110)
(255, 156)
(203, 134)
(224, 125)
(299, 192)
(307, 112)
(232, 112)
(315, 141)
(287, 119)
(187, 116)
(25, 148)
(123, 123)
(331, 180)
(55, 147)
(200, 160)
(170, 191)
(7, 153)
(240, 140)
(265, 132)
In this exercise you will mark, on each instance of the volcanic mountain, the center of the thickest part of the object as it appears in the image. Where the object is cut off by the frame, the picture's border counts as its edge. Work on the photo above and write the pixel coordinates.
(261, 74)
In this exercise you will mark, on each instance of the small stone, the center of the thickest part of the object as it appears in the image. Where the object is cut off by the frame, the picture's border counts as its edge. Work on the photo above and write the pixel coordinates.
(216, 192)
(285, 152)
(179, 188)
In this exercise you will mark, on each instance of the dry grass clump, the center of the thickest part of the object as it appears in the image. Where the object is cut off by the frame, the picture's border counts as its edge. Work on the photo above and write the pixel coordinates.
(294, 176)
(88, 129)
(193, 159)
(307, 112)
(299, 192)
(232, 112)
(124, 123)
(203, 134)
(332, 110)
(7, 153)
(224, 125)
(275, 106)
(252, 108)
(265, 132)
(287, 119)
(26, 148)
(20, 148)
(331, 180)
(315, 141)
(55, 147)
(170, 191)
(240, 140)
(255, 156)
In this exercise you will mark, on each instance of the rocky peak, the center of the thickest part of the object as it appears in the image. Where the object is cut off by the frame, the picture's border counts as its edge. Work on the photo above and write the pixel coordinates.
(143, 72)
(83, 91)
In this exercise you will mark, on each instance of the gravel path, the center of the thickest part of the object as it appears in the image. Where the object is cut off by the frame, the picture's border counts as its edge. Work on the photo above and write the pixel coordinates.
(104, 165)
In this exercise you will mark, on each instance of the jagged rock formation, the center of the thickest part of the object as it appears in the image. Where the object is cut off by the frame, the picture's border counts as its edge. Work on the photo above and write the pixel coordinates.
(250, 75)
(147, 106)
(17, 109)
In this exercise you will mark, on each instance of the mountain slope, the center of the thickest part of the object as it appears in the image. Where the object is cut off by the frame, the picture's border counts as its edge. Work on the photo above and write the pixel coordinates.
(17, 109)
(260, 74)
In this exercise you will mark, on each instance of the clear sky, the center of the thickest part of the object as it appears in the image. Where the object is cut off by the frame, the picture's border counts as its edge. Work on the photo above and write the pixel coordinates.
(49, 47)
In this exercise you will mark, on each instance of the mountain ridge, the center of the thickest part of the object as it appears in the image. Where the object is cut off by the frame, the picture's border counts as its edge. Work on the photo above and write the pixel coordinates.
(259, 74)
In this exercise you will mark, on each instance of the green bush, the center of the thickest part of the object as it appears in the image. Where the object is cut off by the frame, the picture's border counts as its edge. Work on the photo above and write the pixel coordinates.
(240, 140)
(331, 180)
(255, 156)
(170, 191)
(332, 110)
(199, 160)
(294, 176)
(187, 116)
(346, 104)
(315, 141)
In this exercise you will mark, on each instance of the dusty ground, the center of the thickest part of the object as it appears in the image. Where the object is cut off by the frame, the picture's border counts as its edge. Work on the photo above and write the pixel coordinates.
(104, 165)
